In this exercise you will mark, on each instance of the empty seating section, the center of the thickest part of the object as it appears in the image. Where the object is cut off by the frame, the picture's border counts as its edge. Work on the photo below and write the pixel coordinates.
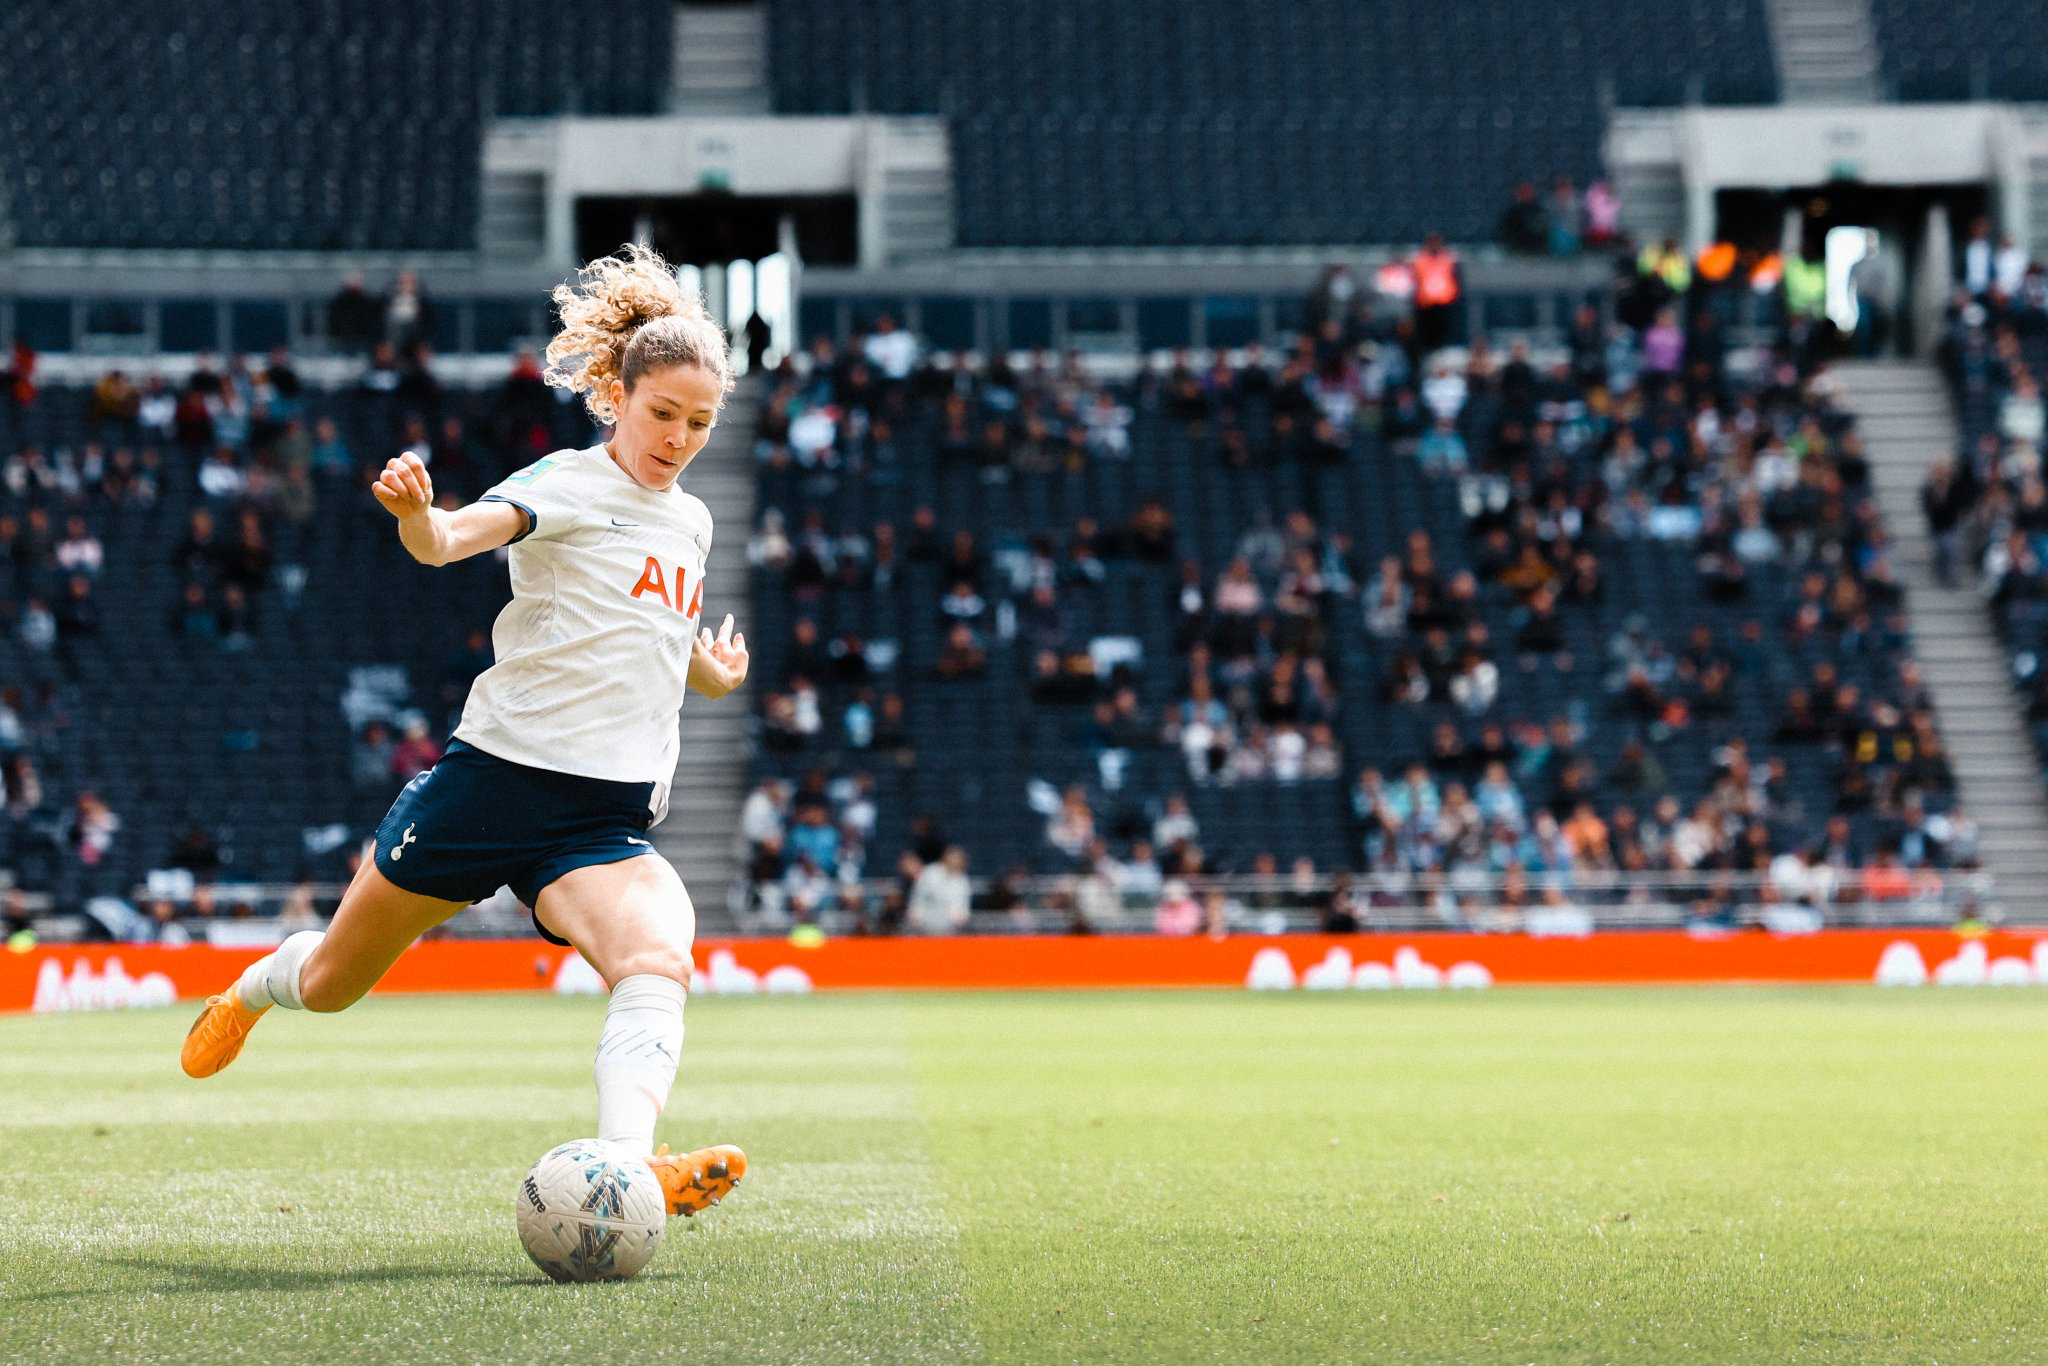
(330, 126)
(1218, 123)
(1961, 49)
(314, 126)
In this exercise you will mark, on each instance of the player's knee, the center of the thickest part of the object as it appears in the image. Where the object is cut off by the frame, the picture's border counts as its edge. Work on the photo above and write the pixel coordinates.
(657, 960)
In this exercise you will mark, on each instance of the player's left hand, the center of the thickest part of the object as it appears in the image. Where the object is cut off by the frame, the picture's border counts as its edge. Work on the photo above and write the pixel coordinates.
(721, 661)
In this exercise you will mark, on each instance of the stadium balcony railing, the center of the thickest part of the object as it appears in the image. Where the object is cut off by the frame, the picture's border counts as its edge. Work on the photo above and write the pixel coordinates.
(1556, 904)
(80, 324)
(1561, 905)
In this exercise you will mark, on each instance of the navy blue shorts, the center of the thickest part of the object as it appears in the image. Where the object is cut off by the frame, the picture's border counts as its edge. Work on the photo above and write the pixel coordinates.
(474, 823)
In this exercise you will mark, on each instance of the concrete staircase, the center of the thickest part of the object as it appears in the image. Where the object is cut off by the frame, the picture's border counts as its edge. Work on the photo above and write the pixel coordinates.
(720, 61)
(1903, 411)
(1646, 154)
(1826, 51)
(906, 190)
(700, 836)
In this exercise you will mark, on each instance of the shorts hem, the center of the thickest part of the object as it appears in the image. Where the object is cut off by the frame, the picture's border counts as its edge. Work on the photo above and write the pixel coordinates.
(596, 858)
(384, 869)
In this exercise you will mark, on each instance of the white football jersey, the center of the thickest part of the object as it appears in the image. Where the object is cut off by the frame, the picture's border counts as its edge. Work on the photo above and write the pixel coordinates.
(593, 652)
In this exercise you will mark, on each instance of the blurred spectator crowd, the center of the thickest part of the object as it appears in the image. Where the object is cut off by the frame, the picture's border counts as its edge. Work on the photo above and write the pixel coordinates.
(1631, 610)
(173, 551)
(1987, 505)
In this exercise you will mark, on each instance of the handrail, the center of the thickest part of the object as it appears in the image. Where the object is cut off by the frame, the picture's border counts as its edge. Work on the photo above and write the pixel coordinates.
(1538, 903)
(1588, 882)
(1546, 902)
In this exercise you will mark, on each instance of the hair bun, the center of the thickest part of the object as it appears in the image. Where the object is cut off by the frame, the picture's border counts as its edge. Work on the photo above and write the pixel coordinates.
(610, 302)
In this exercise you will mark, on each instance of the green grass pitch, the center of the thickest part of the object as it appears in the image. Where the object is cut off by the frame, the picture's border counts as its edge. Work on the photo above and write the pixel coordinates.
(1712, 1175)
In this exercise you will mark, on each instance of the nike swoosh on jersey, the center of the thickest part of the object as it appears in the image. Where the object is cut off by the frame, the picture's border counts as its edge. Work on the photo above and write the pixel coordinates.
(617, 522)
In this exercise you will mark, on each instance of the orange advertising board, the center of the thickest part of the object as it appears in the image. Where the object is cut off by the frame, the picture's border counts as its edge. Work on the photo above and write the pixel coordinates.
(85, 977)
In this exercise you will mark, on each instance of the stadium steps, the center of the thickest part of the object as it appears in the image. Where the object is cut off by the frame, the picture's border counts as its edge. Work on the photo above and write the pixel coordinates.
(1903, 412)
(701, 833)
(1826, 51)
(1647, 177)
(720, 63)
(913, 162)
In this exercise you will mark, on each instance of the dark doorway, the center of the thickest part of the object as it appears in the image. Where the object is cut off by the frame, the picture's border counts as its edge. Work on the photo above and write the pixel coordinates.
(710, 229)
(1755, 220)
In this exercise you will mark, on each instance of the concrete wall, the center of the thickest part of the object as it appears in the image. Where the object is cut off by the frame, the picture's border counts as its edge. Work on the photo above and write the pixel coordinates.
(1784, 147)
(678, 154)
(682, 154)
(1781, 147)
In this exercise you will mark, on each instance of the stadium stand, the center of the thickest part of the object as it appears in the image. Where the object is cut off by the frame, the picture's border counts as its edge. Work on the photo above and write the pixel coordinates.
(1978, 49)
(203, 613)
(1987, 507)
(1202, 617)
(1655, 592)
(1107, 129)
(370, 144)
(1337, 122)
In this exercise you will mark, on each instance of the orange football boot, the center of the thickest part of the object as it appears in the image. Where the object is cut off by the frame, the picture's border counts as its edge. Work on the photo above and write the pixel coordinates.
(699, 1180)
(217, 1035)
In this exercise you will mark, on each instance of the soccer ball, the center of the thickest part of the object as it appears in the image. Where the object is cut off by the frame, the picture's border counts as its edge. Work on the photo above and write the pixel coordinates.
(591, 1211)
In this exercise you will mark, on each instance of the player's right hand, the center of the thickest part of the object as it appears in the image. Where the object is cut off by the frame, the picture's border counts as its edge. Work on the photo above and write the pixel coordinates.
(403, 487)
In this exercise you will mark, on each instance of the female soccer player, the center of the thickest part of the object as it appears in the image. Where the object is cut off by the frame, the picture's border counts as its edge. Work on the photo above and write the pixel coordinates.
(567, 744)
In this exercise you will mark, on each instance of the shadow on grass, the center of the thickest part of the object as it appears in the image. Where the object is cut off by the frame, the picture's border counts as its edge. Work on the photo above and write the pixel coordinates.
(187, 1277)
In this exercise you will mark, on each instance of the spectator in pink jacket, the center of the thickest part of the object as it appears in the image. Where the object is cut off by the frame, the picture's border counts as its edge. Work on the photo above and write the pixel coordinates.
(1178, 912)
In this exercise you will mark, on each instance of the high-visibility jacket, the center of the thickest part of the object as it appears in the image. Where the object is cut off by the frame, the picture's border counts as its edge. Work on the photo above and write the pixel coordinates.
(1436, 278)
(1717, 261)
(1806, 285)
(1668, 266)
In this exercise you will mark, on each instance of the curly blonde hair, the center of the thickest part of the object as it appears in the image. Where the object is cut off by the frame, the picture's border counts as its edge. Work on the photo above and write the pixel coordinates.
(626, 316)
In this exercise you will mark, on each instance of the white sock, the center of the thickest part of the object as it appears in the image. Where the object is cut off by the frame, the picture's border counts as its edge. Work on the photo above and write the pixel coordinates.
(636, 1058)
(273, 979)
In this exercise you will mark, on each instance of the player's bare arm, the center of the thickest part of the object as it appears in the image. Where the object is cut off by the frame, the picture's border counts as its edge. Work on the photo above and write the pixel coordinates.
(436, 536)
(718, 664)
